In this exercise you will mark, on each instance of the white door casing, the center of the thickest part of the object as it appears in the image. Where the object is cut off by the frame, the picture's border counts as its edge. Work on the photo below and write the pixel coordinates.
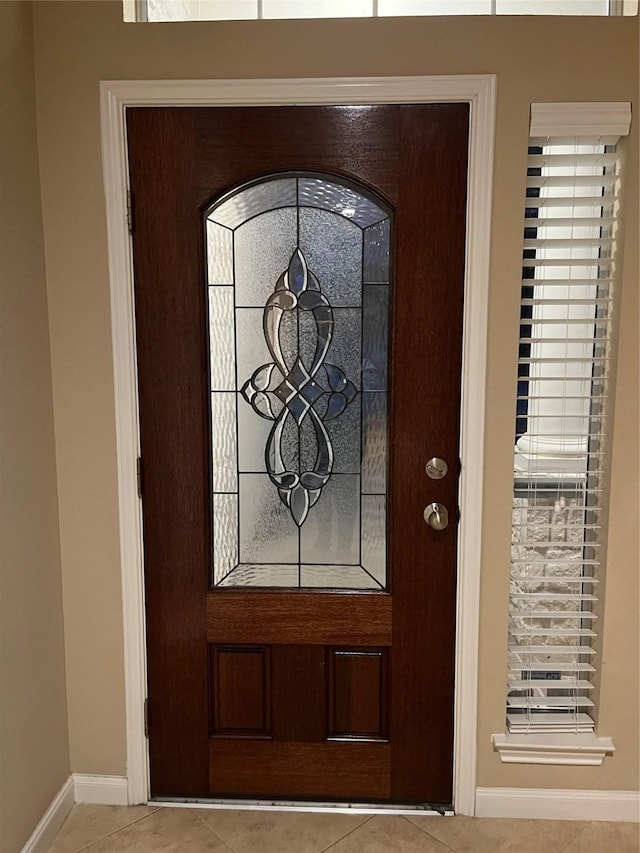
(480, 93)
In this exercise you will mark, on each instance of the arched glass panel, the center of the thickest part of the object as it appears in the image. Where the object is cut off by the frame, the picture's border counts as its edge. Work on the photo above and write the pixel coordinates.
(298, 281)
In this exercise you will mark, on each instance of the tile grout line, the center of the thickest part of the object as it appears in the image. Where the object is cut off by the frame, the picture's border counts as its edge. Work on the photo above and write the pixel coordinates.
(346, 835)
(212, 830)
(115, 832)
(426, 832)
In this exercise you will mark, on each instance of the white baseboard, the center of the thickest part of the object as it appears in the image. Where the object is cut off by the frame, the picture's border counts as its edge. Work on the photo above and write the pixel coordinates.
(49, 824)
(551, 804)
(101, 790)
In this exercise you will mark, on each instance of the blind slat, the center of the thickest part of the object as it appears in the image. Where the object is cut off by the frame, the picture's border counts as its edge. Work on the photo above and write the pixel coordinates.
(552, 632)
(552, 579)
(567, 243)
(533, 263)
(606, 200)
(573, 160)
(552, 651)
(564, 341)
(552, 596)
(570, 181)
(568, 304)
(553, 684)
(549, 702)
(573, 222)
(536, 397)
(559, 666)
(551, 615)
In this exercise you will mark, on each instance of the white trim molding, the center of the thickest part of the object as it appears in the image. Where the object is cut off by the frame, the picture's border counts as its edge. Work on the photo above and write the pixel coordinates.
(581, 119)
(51, 821)
(578, 749)
(101, 790)
(558, 804)
(480, 93)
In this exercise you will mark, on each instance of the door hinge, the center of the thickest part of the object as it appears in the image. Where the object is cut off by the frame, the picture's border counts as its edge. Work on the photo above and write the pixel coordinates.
(139, 475)
(146, 718)
(130, 221)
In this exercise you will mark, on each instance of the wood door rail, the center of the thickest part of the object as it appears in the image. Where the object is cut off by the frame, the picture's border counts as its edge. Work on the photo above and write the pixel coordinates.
(325, 618)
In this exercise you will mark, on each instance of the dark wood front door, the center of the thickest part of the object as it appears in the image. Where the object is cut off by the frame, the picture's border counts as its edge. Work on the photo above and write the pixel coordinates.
(300, 610)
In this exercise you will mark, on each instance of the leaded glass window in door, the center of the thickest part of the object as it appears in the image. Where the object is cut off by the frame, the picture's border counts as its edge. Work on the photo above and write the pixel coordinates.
(298, 285)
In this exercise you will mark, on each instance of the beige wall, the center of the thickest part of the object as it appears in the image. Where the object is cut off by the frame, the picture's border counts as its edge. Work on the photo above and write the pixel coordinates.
(80, 43)
(34, 750)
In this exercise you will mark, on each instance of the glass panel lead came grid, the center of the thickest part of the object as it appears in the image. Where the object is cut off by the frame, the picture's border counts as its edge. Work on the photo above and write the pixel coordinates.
(298, 280)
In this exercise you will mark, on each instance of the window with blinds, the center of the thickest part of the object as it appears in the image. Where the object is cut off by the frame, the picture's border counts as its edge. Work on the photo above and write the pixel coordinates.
(558, 532)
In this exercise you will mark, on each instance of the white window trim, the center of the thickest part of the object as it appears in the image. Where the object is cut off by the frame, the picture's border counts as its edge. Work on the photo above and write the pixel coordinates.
(480, 93)
(609, 120)
(580, 749)
(581, 119)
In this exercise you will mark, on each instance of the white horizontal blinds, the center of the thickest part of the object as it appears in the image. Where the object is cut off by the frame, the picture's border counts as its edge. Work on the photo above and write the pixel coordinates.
(561, 421)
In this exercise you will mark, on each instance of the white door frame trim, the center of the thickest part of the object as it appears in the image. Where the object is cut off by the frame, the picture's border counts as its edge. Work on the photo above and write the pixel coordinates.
(480, 92)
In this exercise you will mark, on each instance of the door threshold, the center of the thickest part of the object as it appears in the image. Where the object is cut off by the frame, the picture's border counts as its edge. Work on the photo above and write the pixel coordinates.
(298, 806)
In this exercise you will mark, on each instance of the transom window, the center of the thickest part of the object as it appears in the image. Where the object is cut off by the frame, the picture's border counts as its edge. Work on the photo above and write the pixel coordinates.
(219, 10)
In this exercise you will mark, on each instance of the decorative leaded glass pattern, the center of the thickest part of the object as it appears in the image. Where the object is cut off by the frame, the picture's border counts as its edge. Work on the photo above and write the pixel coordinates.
(298, 280)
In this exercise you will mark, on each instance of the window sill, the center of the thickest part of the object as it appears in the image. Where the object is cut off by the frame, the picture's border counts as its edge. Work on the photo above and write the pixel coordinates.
(579, 749)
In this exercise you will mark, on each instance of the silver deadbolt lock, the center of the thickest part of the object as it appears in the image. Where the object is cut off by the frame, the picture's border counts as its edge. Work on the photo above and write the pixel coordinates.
(437, 516)
(436, 468)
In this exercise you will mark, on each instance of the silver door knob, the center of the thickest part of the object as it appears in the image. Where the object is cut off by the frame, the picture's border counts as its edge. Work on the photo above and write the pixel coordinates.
(437, 516)
(436, 468)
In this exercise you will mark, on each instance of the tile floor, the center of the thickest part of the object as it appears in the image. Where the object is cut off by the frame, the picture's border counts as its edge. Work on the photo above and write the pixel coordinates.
(143, 829)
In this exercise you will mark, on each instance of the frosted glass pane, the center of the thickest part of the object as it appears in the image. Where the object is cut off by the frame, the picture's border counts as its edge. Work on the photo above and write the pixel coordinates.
(376, 253)
(219, 254)
(434, 7)
(254, 200)
(201, 10)
(221, 339)
(344, 433)
(225, 535)
(344, 351)
(374, 536)
(223, 442)
(316, 8)
(252, 347)
(168, 10)
(268, 534)
(263, 249)
(331, 532)
(224, 10)
(325, 194)
(253, 432)
(336, 577)
(375, 344)
(289, 337)
(552, 7)
(333, 248)
(374, 443)
(262, 575)
(289, 448)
